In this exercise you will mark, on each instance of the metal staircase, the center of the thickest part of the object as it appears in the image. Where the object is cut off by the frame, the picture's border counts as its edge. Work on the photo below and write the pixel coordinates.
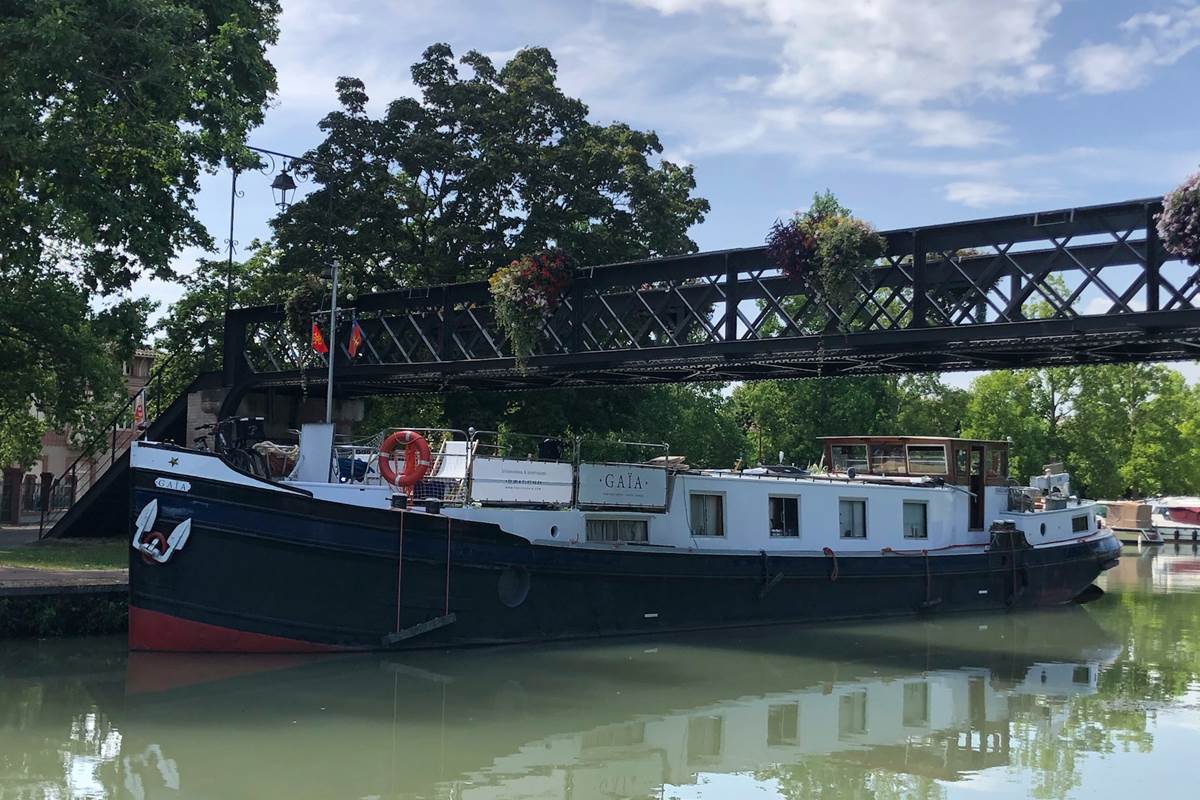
(91, 497)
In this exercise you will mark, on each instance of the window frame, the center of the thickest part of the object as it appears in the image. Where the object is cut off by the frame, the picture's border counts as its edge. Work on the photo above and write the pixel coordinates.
(903, 525)
(885, 458)
(785, 535)
(723, 517)
(945, 459)
(1086, 523)
(779, 717)
(644, 519)
(865, 461)
(866, 527)
(856, 722)
(906, 718)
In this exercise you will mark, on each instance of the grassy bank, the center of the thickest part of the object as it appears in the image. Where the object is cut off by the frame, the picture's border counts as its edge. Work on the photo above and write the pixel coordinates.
(67, 554)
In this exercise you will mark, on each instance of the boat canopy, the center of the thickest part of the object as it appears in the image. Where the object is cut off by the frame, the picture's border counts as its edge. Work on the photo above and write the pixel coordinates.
(957, 461)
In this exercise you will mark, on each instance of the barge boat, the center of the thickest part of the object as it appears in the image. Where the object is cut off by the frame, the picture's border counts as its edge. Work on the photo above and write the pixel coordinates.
(446, 538)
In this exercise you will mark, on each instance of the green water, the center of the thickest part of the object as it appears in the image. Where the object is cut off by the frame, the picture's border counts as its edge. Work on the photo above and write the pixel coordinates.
(1096, 702)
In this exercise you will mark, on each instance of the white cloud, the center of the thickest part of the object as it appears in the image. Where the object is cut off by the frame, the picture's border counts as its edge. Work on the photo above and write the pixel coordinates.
(1148, 40)
(895, 51)
(951, 129)
(983, 194)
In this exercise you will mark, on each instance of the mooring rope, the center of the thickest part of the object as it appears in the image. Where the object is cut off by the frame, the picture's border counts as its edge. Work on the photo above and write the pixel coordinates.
(833, 575)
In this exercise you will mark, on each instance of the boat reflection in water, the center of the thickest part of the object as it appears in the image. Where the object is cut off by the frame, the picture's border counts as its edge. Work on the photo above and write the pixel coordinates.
(934, 700)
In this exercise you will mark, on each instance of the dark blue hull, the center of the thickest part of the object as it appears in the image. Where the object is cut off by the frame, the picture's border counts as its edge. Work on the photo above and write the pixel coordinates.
(265, 570)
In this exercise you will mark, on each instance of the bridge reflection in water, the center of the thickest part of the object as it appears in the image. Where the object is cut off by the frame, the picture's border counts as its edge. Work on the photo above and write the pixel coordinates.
(803, 708)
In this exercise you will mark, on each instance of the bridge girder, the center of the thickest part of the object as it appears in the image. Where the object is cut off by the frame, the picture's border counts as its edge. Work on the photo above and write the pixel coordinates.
(1079, 286)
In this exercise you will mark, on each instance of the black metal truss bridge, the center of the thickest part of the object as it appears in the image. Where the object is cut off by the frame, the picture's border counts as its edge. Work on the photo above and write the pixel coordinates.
(1078, 286)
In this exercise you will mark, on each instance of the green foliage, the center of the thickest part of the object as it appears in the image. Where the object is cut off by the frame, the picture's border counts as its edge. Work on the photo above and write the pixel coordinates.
(20, 439)
(62, 357)
(829, 249)
(63, 615)
(486, 166)
(696, 420)
(524, 294)
(110, 112)
(789, 416)
(1122, 430)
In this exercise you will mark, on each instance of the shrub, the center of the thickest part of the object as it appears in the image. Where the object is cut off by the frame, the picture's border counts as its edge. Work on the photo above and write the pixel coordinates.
(525, 294)
(1179, 222)
(828, 248)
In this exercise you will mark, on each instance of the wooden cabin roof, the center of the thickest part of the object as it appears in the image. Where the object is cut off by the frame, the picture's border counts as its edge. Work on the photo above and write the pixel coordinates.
(896, 438)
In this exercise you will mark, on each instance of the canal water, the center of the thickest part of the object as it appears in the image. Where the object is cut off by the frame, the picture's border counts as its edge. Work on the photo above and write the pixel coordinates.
(1098, 701)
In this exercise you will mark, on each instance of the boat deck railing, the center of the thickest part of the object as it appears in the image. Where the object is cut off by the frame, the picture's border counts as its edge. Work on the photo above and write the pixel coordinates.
(518, 469)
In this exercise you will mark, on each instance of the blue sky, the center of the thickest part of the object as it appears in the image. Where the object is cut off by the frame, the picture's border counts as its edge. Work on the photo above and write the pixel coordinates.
(912, 111)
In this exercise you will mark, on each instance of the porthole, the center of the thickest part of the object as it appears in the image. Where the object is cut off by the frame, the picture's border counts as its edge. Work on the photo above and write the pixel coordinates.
(513, 586)
(553, 530)
(1043, 529)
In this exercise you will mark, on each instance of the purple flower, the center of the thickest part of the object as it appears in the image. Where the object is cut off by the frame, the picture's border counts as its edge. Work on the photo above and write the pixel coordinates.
(1179, 221)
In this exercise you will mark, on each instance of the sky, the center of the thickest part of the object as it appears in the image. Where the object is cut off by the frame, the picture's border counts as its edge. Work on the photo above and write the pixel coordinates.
(914, 112)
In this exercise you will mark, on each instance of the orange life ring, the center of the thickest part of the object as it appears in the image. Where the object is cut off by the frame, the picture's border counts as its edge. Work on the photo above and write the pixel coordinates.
(417, 458)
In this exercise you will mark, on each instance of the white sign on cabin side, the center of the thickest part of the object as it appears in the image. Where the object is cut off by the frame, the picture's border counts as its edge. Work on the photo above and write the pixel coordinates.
(502, 480)
(622, 485)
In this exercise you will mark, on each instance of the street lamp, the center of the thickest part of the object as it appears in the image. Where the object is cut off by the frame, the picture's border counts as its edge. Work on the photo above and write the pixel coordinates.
(283, 188)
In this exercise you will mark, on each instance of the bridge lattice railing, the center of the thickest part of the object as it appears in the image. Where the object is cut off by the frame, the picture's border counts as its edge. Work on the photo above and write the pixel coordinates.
(1083, 262)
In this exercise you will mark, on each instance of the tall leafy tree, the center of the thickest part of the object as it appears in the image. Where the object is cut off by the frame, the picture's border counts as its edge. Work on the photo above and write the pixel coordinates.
(488, 164)
(1127, 434)
(109, 112)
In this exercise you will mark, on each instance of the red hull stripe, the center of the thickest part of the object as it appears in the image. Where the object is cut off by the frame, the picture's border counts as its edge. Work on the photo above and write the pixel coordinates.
(152, 630)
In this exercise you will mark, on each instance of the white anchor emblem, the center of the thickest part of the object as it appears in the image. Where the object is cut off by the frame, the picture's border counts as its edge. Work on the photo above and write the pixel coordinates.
(153, 545)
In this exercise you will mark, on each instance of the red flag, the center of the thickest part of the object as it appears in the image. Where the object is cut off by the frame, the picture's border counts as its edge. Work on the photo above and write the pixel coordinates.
(318, 341)
(356, 339)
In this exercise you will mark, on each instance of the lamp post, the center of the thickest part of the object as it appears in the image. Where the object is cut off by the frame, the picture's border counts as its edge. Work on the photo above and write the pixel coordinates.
(283, 191)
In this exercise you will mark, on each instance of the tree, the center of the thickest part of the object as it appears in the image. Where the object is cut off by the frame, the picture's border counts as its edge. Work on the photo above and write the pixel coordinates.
(1126, 436)
(791, 416)
(488, 165)
(1002, 406)
(484, 167)
(696, 421)
(108, 114)
(193, 330)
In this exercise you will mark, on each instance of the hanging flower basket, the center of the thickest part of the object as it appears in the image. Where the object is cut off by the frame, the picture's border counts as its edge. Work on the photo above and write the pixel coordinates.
(828, 248)
(525, 294)
(1179, 222)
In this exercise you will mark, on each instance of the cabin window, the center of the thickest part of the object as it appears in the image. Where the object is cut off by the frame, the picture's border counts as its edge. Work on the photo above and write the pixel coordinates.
(926, 459)
(604, 529)
(960, 462)
(916, 520)
(846, 456)
(785, 516)
(852, 518)
(888, 459)
(626, 735)
(1079, 524)
(852, 713)
(1081, 675)
(783, 724)
(916, 705)
(704, 736)
(998, 463)
(707, 514)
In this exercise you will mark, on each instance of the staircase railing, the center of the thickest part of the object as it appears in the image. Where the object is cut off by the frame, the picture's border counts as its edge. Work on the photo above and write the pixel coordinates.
(102, 450)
